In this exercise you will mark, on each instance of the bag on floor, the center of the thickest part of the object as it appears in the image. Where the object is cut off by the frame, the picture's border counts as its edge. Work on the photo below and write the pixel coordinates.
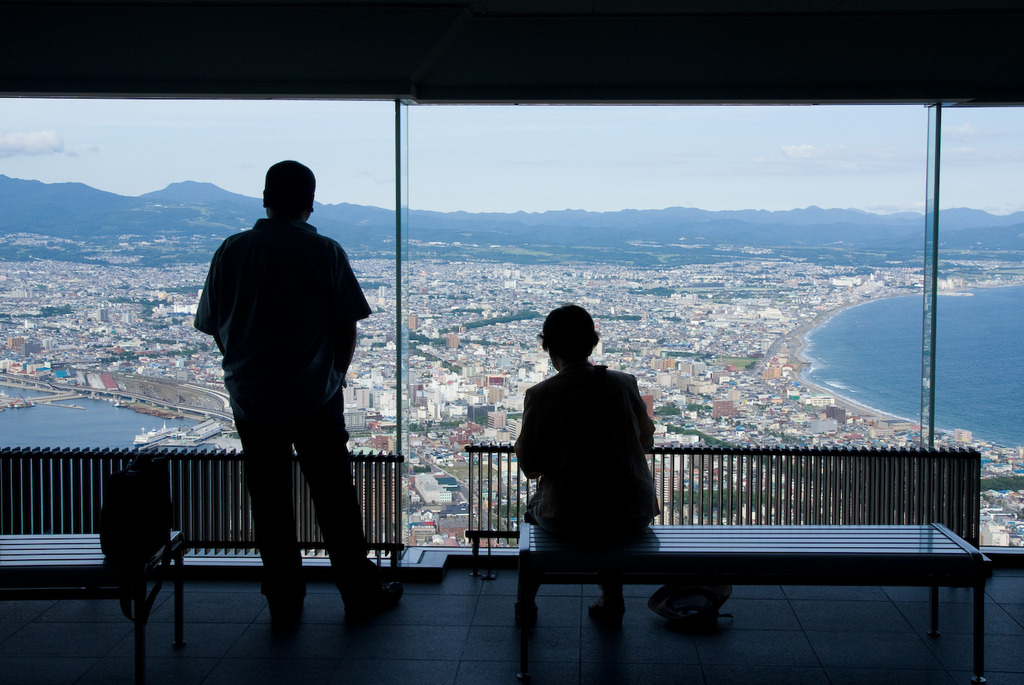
(690, 607)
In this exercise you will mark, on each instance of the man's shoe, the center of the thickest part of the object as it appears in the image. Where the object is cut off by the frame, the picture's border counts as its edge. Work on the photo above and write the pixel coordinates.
(285, 614)
(386, 598)
(607, 612)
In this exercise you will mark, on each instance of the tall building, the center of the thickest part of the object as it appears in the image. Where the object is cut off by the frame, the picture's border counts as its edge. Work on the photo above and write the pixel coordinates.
(837, 414)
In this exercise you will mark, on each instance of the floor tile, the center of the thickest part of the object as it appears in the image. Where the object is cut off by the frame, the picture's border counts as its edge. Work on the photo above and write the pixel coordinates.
(498, 610)
(842, 592)
(546, 643)
(993, 677)
(880, 649)
(308, 641)
(958, 617)
(903, 676)
(617, 673)
(1009, 589)
(202, 640)
(867, 615)
(85, 611)
(431, 610)
(48, 670)
(759, 614)
(247, 671)
(757, 592)
(381, 641)
(747, 674)
(541, 672)
(212, 606)
(1015, 611)
(118, 670)
(65, 639)
(956, 651)
(629, 645)
(760, 647)
(395, 672)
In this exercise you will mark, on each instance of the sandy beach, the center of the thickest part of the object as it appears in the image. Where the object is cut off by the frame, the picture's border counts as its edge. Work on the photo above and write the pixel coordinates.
(794, 345)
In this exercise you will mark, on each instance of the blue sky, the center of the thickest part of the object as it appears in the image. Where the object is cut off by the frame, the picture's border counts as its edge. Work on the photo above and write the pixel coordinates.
(532, 158)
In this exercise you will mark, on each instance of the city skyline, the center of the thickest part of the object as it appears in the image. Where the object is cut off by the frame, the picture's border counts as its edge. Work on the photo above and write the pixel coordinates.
(530, 158)
(716, 348)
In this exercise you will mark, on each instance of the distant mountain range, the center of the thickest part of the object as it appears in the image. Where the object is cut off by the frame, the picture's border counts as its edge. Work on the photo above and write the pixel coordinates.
(189, 218)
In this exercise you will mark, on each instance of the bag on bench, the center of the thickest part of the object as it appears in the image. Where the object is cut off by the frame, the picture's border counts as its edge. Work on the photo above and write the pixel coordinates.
(135, 519)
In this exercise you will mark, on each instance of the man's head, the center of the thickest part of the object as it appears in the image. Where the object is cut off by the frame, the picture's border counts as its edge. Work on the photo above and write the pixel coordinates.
(289, 190)
(569, 333)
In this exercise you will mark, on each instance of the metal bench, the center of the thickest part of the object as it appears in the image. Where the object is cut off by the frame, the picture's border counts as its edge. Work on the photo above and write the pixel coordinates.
(73, 566)
(911, 555)
(766, 486)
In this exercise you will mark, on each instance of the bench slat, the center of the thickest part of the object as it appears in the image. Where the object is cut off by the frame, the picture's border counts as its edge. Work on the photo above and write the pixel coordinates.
(919, 555)
(55, 561)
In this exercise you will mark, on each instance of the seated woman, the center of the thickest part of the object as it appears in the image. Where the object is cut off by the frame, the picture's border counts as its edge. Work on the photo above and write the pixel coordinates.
(584, 433)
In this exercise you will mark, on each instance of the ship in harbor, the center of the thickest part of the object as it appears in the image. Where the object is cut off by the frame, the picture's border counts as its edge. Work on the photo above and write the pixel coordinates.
(180, 436)
(18, 402)
(157, 435)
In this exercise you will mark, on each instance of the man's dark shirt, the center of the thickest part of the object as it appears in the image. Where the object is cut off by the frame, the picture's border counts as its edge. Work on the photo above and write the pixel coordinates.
(276, 300)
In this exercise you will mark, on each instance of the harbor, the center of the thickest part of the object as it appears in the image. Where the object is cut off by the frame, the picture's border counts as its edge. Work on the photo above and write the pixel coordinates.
(101, 423)
(179, 436)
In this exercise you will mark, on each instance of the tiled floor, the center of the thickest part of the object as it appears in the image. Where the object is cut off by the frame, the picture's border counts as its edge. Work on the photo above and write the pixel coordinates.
(461, 631)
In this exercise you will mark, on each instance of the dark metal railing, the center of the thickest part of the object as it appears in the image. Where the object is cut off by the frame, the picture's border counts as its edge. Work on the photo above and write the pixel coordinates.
(498, 493)
(61, 490)
(762, 486)
(819, 486)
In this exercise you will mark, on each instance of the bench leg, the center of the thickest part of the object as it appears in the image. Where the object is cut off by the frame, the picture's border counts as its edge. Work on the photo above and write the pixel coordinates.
(526, 617)
(524, 654)
(979, 632)
(476, 557)
(933, 602)
(141, 616)
(179, 598)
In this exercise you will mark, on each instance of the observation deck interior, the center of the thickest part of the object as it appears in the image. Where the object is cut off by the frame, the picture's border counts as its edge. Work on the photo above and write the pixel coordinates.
(461, 631)
(520, 51)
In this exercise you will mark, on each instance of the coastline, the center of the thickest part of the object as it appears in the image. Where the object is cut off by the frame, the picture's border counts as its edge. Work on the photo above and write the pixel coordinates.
(794, 344)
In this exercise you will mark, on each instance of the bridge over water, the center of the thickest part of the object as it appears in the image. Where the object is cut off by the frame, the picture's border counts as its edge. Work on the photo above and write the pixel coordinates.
(186, 399)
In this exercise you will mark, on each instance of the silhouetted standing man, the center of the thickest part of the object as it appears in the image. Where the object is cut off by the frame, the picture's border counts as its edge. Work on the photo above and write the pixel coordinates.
(282, 303)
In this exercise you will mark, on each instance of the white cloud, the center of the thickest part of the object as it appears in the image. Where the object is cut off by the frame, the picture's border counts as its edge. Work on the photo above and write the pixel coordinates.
(31, 143)
(813, 151)
(961, 132)
(798, 151)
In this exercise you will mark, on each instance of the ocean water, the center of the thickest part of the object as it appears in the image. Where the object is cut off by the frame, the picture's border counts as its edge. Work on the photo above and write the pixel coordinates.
(871, 354)
(99, 424)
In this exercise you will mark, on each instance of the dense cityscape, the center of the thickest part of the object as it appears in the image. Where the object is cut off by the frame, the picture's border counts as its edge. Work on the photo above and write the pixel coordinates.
(715, 348)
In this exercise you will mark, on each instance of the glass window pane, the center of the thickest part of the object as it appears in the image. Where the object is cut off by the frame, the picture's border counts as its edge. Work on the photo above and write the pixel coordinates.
(980, 311)
(103, 263)
(722, 251)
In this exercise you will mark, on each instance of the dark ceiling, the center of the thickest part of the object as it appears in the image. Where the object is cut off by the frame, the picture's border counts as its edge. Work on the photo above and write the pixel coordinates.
(558, 51)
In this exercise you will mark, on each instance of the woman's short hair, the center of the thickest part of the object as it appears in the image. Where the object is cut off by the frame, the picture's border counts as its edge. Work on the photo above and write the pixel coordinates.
(569, 333)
